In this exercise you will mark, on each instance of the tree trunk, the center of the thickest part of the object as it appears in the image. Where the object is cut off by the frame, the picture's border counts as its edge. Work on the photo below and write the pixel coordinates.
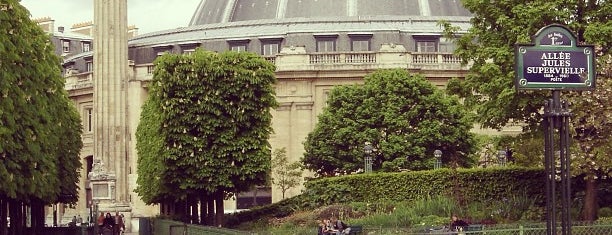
(210, 218)
(589, 212)
(203, 210)
(37, 219)
(193, 204)
(16, 215)
(219, 208)
(3, 215)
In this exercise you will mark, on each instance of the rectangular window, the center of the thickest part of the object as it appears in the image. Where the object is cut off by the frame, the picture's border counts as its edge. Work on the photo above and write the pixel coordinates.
(360, 45)
(86, 46)
(89, 66)
(65, 46)
(270, 48)
(150, 69)
(188, 51)
(238, 47)
(89, 119)
(326, 44)
(446, 45)
(238, 44)
(426, 46)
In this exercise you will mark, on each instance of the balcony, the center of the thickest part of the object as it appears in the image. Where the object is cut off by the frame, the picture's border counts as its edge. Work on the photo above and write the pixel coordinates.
(393, 56)
(76, 81)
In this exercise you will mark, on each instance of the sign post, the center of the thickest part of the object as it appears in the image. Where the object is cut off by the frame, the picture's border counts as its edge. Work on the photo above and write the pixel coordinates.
(555, 62)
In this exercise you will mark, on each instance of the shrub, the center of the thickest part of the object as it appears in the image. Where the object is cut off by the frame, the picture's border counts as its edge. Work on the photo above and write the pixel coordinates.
(475, 185)
(605, 212)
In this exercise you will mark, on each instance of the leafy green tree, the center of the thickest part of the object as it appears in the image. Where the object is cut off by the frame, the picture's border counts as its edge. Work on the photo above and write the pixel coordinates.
(286, 175)
(149, 144)
(488, 89)
(39, 127)
(215, 122)
(404, 117)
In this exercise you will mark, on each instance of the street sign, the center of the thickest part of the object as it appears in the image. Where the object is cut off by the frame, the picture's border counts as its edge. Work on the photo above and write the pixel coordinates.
(554, 62)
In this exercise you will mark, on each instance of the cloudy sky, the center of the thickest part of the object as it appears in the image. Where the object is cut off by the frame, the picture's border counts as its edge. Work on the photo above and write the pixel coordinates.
(147, 15)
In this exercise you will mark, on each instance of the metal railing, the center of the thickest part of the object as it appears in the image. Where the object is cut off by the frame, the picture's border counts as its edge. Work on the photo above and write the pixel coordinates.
(169, 227)
(501, 229)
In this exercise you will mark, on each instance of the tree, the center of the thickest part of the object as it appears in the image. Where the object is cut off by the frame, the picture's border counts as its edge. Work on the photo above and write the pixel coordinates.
(214, 124)
(149, 143)
(39, 126)
(404, 117)
(488, 89)
(286, 175)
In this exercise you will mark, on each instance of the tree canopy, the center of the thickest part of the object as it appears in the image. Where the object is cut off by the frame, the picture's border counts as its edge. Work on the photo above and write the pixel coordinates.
(40, 128)
(405, 118)
(207, 121)
(488, 89)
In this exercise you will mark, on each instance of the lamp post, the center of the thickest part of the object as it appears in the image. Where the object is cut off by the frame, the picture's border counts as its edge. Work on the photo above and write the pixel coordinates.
(501, 156)
(367, 149)
(438, 156)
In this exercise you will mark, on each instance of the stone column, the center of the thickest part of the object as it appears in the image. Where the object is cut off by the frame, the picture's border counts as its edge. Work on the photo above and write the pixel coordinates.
(110, 91)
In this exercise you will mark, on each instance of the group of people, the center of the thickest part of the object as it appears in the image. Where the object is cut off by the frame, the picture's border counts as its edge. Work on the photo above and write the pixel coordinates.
(333, 226)
(109, 223)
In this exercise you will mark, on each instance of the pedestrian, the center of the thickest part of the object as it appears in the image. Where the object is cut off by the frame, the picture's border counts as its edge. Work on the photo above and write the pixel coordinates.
(100, 223)
(119, 224)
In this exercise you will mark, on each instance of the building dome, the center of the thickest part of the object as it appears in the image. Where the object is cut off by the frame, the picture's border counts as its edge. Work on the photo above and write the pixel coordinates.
(222, 11)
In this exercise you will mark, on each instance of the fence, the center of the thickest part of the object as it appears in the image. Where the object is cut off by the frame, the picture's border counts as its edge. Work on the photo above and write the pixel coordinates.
(167, 227)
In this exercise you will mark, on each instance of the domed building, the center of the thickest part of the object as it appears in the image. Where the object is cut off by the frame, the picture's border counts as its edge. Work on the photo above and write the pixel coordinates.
(315, 45)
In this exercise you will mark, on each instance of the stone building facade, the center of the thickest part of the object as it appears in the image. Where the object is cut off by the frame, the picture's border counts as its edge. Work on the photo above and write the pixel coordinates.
(315, 45)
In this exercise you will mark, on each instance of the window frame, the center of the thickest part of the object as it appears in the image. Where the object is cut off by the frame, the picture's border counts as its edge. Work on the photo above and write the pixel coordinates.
(267, 42)
(239, 44)
(426, 39)
(65, 45)
(324, 40)
(85, 45)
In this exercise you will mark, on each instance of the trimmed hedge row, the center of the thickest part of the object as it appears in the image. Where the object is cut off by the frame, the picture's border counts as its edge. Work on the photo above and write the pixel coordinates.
(481, 184)
(475, 185)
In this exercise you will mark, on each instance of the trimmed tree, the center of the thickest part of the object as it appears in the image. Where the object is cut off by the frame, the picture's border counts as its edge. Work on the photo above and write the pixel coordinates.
(489, 91)
(405, 118)
(39, 127)
(215, 122)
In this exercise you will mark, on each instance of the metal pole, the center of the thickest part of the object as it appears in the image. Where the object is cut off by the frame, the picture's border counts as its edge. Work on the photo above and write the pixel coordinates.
(565, 172)
(549, 168)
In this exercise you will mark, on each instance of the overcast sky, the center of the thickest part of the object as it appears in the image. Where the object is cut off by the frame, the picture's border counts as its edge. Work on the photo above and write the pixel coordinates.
(147, 15)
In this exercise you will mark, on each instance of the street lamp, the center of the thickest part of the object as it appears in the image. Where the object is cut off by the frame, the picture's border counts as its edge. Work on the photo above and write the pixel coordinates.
(501, 156)
(367, 149)
(438, 156)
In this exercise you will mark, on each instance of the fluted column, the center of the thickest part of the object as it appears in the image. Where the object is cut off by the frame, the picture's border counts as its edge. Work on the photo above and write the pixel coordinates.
(110, 90)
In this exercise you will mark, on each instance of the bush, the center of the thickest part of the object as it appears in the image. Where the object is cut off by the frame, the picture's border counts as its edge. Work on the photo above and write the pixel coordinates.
(474, 185)
(605, 212)
(402, 198)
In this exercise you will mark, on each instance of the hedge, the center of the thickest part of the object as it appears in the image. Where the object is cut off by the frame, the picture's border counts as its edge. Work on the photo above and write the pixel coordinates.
(480, 184)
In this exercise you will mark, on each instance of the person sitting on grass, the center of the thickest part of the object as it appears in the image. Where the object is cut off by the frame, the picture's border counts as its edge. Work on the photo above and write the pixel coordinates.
(325, 227)
(457, 224)
(340, 227)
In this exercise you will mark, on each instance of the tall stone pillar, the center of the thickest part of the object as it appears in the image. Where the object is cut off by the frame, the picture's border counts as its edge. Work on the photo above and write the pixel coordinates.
(110, 77)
